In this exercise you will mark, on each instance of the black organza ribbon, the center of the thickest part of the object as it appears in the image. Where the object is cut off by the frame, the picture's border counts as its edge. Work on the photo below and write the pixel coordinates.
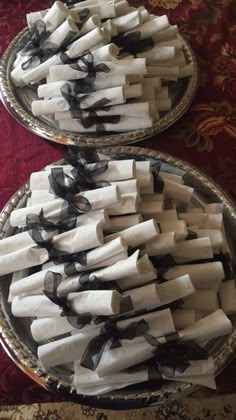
(41, 223)
(51, 283)
(132, 43)
(158, 181)
(191, 235)
(110, 332)
(57, 256)
(175, 357)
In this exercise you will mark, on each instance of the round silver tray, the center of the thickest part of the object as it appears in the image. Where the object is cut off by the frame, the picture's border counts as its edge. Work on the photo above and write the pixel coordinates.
(15, 333)
(18, 102)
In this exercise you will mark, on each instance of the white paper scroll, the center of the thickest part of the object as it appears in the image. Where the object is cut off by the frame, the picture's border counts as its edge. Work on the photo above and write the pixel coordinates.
(204, 301)
(193, 250)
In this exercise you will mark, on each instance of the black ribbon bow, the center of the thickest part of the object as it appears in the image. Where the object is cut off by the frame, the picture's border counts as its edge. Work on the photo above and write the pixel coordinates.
(51, 283)
(174, 357)
(132, 43)
(110, 332)
(57, 256)
(41, 223)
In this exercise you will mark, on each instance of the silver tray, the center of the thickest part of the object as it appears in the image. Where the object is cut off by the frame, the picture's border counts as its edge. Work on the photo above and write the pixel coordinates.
(18, 343)
(18, 102)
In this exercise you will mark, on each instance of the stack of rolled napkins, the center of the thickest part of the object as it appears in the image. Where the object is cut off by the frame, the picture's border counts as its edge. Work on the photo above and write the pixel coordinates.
(100, 65)
(123, 275)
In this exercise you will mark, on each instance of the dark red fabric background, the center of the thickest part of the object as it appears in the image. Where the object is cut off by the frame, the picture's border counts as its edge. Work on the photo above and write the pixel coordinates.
(205, 136)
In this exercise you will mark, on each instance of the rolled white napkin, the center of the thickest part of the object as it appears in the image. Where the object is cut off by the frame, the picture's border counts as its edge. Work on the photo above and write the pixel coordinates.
(128, 267)
(203, 276)
(122, 7)
(167, 216)
(98, 9)
(49, 327)
(124, 66)
(96, 302)
(15, 243)
(41, 71)
(203, 220)
(53, 89)
(129, 203)
(164, 104)
(166, 73)
(163, 244)
(227, 295)
(186, 71)
(137, 280)
(27, 306)
(129, 21)
(96, 256)
(151, 27)
(118, 223)
(126, 187)
(138, 234)
(214, 325)
(178, 191)
(175, 289)
(166, 35)
(72, 348)
(93, 22)
(215, 236)
(151, 208)
(55, 15)
(145, 184)
(142, 298)
(16, 276)
(114, 96)
(109, 27)
(177, 226)
(153, 197)
(124, 124)
(126, 109)
(204, 301)
(68, 27)
(159, 55)
(214, 208)
(184, 317)
(86, 42)
(193, 250)
(99, 199)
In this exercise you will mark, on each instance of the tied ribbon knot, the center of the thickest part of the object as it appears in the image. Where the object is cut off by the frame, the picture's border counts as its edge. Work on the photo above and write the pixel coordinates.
(57, 256)
(132, 43)
(172, 357)
(110, 332)
(52, 282)
(41, 223)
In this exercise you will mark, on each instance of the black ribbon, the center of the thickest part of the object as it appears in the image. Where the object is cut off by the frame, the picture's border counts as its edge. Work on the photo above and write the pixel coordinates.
(158, 181)
(191, 235)
(41, 223)
(110, 332)
(132, 43)
(57, 256)
(174, 357)
(51, 283)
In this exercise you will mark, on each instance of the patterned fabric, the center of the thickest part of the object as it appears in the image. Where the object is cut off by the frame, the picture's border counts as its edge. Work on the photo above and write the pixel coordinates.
(186, 409)
(205, 136)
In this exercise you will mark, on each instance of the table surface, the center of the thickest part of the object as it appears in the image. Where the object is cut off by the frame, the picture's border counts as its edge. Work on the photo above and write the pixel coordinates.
(204, 136)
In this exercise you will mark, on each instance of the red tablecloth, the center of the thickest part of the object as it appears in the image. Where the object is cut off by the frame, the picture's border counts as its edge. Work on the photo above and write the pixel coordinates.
(205, 136)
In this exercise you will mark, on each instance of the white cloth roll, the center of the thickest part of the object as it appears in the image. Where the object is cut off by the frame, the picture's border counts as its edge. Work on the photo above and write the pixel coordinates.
(104, 12)
(79, 239)
(102, 253)
(163, 244)
(93, 22)
(129, 21)
(32, 17)
(153, 197)
(124, 66)
(175, 289)
(122, 7)
(203, 220)
(204, 301)
(21, 259)
(178, 191)
(16, 276)
(138, 234)
(119, 223)
(167, 216)
(186, 71)
(215, 236)
(96, 302)
(15, 243)
(109, 27)
(108, 52)
(166, 73)
(99, 199)
(228, 296)
(193, 250)
(26, 306)
(45, 328)
(203, 276)
(129, 204)
(121, 269)
(152, 27)
(66, 28)
(145, 297)
(137, 280)
(55, 15)
(177, 226)
(133, 91)
(41, 71)
(159, 55)
(86, 42)
(145, 184)
(124, 124)
(143, 168)
(166, 35)
(72, 348)
(214, 208)
(164, 104)
(151, 208)
(184, 317)
(214, 325)
(126, 187)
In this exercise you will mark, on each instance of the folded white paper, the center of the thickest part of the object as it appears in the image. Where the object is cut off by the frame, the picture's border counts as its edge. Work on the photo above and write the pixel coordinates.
(193, 250)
